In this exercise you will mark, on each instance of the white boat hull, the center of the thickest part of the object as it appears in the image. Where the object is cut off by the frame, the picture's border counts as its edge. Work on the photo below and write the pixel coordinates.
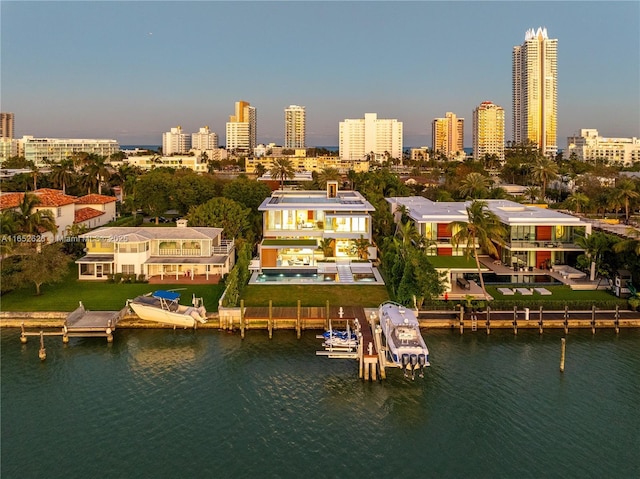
(186, 316)
(405, 346)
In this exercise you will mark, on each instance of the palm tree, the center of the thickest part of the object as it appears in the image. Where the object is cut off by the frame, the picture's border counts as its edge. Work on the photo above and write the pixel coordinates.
(595, 246)
(326, 245)
(282, 169)
(532, 192)
(474, 185)
(352, 176)
(96, 172)
(34, 173)
(630, 244)
(362, 245)
(260, 169)
(625, 191)
(483, 230)
(577, 201)
(62, 174)
(27, 220)
(328, 174)
(544, 170)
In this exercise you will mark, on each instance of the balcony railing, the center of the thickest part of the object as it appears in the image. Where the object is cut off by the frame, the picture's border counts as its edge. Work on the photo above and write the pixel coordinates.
(226, 247)
(179, 252)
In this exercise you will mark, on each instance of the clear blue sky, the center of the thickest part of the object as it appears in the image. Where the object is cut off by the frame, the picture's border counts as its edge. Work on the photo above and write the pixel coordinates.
(132, 70)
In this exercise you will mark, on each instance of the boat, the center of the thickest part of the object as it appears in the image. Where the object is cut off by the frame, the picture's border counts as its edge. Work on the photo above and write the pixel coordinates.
(405, 347)
(337, 339)
(163, 307)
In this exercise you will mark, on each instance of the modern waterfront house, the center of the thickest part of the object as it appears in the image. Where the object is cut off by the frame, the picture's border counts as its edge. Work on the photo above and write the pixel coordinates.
(178, 254)
(307, 231)
(538, 239)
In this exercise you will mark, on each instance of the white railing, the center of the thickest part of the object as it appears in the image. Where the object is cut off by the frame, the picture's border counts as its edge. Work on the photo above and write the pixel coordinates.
(179, 252)
(225, 248)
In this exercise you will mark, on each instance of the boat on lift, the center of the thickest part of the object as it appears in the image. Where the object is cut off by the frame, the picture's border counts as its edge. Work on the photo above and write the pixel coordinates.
(163, 307)
(405, 346)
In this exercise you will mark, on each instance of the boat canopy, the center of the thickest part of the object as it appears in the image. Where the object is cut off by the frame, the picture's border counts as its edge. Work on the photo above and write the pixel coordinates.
(168, 295)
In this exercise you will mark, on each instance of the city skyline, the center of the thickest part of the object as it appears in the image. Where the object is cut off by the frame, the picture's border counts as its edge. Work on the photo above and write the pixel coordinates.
(69, 76)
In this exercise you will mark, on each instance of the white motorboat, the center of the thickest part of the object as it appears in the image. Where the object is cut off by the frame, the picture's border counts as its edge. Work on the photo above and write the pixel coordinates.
(404, 343)
(163, 307)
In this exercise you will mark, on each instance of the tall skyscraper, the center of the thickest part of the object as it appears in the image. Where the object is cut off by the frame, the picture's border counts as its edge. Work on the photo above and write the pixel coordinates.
(175, 142)
(6, 125)
(448, 135)
(378, 138)
(535, 102)
(488, 131)
(294, 127)
(242, 128)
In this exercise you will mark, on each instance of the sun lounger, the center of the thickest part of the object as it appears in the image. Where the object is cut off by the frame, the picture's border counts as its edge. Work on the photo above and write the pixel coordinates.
(543, 291)
(524, 291)
(506, 291)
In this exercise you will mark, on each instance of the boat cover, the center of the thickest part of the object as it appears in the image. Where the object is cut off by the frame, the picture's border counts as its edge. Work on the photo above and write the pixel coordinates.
(168, 295)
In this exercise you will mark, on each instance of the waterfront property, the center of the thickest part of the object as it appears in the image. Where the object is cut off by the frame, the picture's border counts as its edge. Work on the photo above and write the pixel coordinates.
(311, 232)
(538, 240)
(180, 254)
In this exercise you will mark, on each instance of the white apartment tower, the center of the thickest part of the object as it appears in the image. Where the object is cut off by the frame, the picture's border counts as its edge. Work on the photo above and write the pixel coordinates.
(205, 139)
(488, 131)
(294, 127)
(242, 128)
(590, 146)
(175, 142)
(448, 135)
(378, 138)
(535, 102)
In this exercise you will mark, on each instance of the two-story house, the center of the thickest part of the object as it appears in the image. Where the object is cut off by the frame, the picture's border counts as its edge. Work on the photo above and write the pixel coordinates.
(303, 228)
(536, 238)
(181, 254)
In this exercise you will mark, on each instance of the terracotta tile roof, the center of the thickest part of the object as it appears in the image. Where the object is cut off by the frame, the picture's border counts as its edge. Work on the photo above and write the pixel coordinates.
(48, 198)
(10, 200)
(94, 199)
(84, 214)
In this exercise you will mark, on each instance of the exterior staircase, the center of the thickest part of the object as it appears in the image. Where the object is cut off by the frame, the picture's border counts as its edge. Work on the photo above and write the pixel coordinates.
(344, 273)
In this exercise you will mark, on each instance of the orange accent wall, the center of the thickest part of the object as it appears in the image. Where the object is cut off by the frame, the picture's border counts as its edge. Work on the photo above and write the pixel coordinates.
(543, 233)
(443, 230)
(445, 251)
(542, 257)
(269, 257)
(310, 215)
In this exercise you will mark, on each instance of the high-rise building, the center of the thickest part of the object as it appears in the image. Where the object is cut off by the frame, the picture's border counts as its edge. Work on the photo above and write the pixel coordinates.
(46, 150)
(205, 139)
(448, 135)
(535, 102)
(379, 139)
(175, 142)
(6, 125)
(488, 130)
(294, 127)
(242, 128)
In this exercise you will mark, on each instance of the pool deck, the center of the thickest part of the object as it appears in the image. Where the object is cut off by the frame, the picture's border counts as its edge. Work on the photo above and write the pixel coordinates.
(344, 275)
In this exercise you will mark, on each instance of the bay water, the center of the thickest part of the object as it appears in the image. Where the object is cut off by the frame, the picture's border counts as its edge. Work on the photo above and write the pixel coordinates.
(172, 404)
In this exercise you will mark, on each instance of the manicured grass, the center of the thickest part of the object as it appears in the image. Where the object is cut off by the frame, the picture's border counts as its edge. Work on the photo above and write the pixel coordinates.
(98, 296)
(367, 296)
(560, 295)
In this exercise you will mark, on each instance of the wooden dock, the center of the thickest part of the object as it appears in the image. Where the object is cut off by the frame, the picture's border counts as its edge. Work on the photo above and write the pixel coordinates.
(80, 323)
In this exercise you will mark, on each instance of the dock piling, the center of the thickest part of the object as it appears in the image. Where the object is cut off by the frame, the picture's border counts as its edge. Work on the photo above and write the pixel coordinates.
(488, 320)
(23, 336)
(617, 321)
(540, 321)
(298, 322)
(566, 319)
(562, 354)
(270, 320)
(515, 320)
(42, 354)
(593, 319)
(242, 325)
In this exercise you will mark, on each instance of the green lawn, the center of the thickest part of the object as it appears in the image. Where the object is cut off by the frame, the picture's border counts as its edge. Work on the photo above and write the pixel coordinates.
(97, 296)
(559, 296)
(367, 296)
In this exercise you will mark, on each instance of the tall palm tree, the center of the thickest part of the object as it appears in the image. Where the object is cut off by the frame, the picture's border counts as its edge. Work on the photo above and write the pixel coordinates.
(625, 191)
(62, 174)
(483, 230)
(26, 219)
(595, 246)
(544, 170)
(474, 185)
(96, 172)
(532, 192)
(282, 169)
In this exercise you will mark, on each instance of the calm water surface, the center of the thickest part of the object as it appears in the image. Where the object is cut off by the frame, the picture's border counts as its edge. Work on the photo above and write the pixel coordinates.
(159, 404)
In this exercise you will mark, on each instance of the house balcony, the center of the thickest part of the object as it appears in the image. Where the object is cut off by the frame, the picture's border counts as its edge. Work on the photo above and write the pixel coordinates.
(543, 245)
(180, 252)
(225, 248)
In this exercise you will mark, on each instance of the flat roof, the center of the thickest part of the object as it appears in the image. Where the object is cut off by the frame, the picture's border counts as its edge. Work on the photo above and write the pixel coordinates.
(343, 201)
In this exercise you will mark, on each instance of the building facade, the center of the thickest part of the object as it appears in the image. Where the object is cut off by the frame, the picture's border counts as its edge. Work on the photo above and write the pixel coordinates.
(242, 128)
(7, 124)
(488, 131)
(448, 135)
(43, 150)
(176, 142)
(589, 146)
(370, 137)
(181, 253)
(309, 163)
(535, 86)
(295, 127)
(204, 139)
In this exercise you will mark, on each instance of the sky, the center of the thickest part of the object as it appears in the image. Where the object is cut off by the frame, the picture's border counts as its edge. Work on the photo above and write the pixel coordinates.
(130, 71)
